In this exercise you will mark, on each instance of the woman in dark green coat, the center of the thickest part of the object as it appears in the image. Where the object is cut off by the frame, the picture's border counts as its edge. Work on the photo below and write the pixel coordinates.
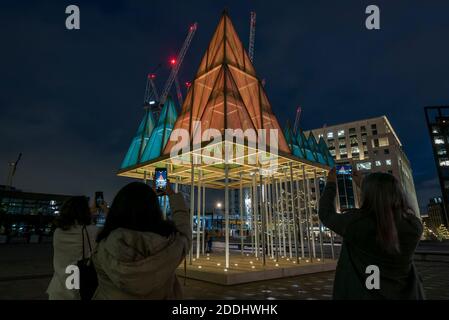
(379, 241)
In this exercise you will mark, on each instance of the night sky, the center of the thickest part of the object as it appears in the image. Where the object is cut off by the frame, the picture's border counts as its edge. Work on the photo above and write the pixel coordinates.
(72, 100)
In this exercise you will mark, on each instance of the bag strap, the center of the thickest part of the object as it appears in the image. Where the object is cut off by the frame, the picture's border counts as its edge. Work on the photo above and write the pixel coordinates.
(82, 239)
(185, 271)
(84, 229)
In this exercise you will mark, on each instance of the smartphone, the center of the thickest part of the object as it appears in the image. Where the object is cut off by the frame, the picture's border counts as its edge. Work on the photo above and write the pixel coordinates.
(161, 179)
(99, 198)
(344, 169)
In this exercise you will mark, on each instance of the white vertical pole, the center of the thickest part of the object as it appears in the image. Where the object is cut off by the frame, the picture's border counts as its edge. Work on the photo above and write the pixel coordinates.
(265, 231)
(270, 218)
(263, 198)
(192, 204)
(145, 177)
(278, 221)
(295, 234)
(288, 219)
(331, 234)
(256, 216)
(241, 213)
(305, 186)
(317, 203)
(281, 198)
(227, 215)
(301, 231)
(198, 216)
(203, 223)
(251, 191)
(311, 221)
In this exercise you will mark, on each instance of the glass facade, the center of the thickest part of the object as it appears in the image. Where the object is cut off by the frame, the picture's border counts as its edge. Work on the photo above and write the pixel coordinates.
(346, 196)
(438, 125)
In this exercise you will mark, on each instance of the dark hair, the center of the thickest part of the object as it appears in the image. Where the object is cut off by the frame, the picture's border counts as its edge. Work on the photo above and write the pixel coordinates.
(74, 211)
(383, 198)
(136, 207)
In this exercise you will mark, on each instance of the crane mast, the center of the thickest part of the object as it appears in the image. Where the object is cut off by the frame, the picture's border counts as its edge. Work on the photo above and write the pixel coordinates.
(252, 36)
(177, 64)
(178, 92)
(298, 116)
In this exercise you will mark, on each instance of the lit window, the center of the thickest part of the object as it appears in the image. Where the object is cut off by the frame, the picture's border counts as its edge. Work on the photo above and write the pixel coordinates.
(378, 163)
(388, 162)
(383, 142)
(355, 150)
(364, 166)
(341, 133)
(439, 141)
(444, 163)
(332, 152)
(441, 152)
(320, 135)
(330, 135)
(435, 130)
(343, 151)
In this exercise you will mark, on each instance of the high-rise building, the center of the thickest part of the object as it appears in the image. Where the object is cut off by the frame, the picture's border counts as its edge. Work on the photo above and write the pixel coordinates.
(369, 145)
(438, 124)
(435, 213)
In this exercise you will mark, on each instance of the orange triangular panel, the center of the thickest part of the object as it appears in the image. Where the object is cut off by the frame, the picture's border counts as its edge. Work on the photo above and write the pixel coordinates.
(226, 93)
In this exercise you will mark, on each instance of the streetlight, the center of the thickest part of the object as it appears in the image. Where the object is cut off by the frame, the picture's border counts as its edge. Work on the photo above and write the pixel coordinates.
(217, 206)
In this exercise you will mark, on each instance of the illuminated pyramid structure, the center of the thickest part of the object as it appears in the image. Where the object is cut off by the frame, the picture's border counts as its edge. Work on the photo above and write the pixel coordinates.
(308, 148)
(139, 141)
(225, 94)
(151, 138)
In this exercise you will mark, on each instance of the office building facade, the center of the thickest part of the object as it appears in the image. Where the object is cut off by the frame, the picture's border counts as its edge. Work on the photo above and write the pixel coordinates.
(369, 145)
(437, 119)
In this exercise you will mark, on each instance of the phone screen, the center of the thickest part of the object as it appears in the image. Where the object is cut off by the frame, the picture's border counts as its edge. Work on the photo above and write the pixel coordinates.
(344, 170)
(161, 179)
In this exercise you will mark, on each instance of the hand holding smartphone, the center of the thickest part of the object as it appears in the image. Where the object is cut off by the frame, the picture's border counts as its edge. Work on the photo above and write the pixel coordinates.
(161, 183)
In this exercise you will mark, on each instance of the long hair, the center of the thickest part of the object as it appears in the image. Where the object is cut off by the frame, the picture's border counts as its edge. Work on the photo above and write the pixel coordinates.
(136, 207)
(74, 211)
(383, 198)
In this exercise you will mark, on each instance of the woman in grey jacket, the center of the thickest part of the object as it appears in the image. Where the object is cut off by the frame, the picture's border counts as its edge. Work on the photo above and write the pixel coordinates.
(138, 251)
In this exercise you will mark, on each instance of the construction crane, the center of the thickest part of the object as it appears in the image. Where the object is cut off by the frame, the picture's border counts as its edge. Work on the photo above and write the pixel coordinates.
(252, 36)
(298, 116)
(12, 171)
(151, 93)
(178, 92)
(176, 64)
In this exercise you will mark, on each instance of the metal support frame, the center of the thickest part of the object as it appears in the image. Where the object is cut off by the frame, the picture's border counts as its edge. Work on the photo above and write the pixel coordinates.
(295, 221)
(317, 205)
(226, 215)
(198, 224)
(241, 213)
(192, 204)
(305, 186)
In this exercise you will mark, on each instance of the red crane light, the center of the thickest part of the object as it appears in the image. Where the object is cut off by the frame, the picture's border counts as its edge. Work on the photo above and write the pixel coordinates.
(151, 76)
(172, 61)
(188, 84)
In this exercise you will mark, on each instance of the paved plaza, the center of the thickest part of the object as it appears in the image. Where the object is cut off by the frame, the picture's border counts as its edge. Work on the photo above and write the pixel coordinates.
(25, 271)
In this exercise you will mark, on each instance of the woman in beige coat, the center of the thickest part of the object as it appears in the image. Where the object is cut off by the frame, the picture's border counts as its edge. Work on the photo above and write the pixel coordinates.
(68, 245)
(138, 251)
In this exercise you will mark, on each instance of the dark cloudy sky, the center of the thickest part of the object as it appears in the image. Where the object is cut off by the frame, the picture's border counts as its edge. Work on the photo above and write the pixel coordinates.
(72, 100)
